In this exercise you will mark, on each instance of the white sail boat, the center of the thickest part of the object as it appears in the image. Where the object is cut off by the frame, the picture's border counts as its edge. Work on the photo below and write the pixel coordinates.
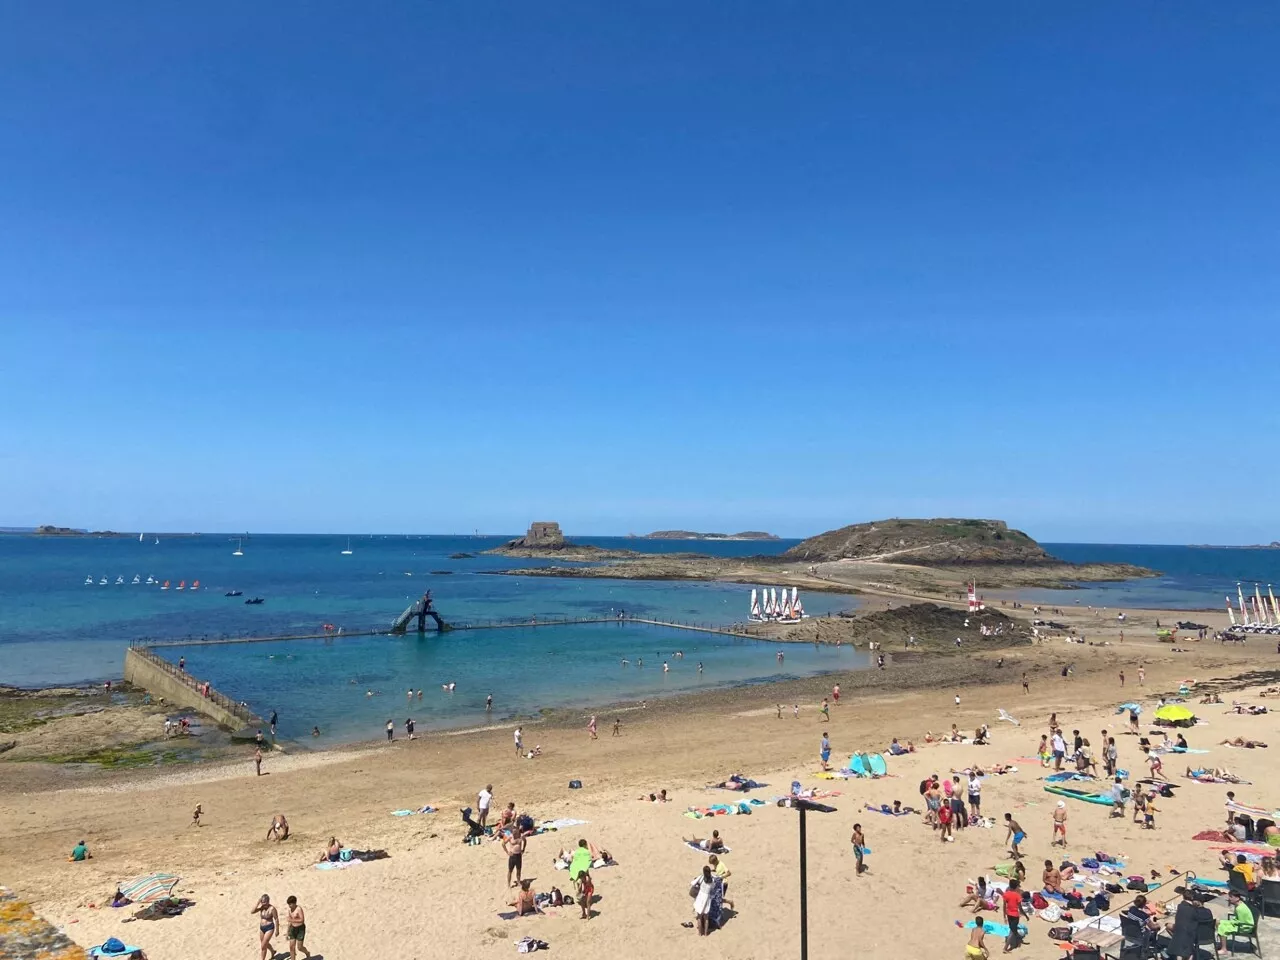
(755, 605)
(1230, 612)
(137, 579)
(784, 613)
(88, 582)
(157, 541)
(139, 538)
(239, 550)
(347, 552)
(797, 608)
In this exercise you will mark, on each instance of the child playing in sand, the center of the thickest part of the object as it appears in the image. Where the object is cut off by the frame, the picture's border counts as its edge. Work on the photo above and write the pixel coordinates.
(859, 848)
(195, 815)
(586, 890)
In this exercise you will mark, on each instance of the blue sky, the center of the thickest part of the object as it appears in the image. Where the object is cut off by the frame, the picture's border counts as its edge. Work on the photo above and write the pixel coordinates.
(438, 267)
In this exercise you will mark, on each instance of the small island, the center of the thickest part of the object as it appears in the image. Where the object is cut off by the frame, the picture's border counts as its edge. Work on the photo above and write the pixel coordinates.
(545, 539)
(693, 535)
(49, 530)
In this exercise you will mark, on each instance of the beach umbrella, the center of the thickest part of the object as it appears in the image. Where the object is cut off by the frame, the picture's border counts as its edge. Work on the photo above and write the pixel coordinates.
(1174, 713)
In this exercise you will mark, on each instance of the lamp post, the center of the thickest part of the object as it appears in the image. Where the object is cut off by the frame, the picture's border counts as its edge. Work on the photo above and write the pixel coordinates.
(803, 806)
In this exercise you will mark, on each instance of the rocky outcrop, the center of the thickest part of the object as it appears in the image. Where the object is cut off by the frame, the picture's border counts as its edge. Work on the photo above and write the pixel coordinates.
(940, 542)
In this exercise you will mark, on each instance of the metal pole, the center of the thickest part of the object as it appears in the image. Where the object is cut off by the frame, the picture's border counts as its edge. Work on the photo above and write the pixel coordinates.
(804, 893)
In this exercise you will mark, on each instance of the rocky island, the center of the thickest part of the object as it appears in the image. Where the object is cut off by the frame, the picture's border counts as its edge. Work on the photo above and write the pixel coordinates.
(932, 559)
(545, 540)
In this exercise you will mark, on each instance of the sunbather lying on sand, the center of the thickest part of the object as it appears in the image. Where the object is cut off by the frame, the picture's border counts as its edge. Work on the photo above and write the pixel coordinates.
(713, 844)
(996, 768)
(659, 797)
(1242, 742)
(897, 810)
(1247, 708)
(1213, 775)
(737, 782)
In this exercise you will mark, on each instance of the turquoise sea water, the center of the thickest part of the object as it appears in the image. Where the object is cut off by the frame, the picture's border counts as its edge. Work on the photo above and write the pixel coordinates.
(56, 629)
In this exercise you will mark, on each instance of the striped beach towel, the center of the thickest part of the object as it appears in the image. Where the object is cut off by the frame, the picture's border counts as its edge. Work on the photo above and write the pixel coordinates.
(154, 886)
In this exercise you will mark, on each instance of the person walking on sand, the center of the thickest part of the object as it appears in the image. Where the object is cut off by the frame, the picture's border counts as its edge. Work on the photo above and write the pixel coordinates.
(617, 726)
(391, 731)
(859, 843)
(1059, 750)
(257, 760)
(957, 701)
(1015, 835)
(519, 738)
(514, 846)
(824, 749)
(826, 710)
(1060, 825)
(835, 693)
(591, 726)
(268, 921)
(586, 893)
(1122, 678)
(779, 711)
(700, 890)
(297, 930)
(1012, 914)
(196, 814)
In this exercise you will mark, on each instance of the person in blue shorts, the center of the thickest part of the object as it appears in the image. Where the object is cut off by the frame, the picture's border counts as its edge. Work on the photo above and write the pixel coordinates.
(1016, 835)
(825, 750)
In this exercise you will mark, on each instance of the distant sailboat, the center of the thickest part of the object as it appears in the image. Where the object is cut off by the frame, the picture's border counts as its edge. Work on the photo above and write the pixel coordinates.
(347, 552)
(103, 581)
(239, 551)
(150, 579)
(182, 584)
(139, 538)
(137, 579)
(195, 585)
(119, 580)
(755, 606)
(157, 541)
(88, 581)
(165, 586)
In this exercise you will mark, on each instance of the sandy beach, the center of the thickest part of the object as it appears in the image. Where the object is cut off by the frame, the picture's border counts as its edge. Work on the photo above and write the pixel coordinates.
(437, 897)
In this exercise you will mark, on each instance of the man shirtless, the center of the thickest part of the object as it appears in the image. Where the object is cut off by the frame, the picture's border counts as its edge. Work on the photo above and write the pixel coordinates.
(1052, 877)
(296, 931)
(507, 819)
(976, 949)
(1060, 824)
(514, 846)
(279, 829)
(1015, 835)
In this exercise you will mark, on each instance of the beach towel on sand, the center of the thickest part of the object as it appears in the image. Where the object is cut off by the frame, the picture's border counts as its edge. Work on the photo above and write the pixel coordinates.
(339, 865)
(698, 849)
(995, 929)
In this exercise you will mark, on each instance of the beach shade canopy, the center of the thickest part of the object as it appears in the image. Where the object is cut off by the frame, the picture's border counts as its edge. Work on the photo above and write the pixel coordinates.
(1174, 713)
(152, 887)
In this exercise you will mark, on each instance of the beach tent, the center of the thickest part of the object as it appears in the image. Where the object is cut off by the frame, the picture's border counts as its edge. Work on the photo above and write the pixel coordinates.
(152, 887)
(1175, 713)
(1135, 707)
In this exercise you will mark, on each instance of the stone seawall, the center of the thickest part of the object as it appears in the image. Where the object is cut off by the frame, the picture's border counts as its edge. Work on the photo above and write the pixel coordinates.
(160, 678)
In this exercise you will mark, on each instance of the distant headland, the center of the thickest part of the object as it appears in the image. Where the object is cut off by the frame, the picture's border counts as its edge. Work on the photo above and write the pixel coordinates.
(693, 535)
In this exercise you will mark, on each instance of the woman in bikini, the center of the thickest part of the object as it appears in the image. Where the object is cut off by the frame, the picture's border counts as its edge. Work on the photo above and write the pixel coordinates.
(268, 919)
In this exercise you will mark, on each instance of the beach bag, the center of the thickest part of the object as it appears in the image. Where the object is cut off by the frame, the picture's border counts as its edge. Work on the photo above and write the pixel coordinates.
(1089, 863)
(530, 945)
(1103, 901)
(1138, 885)
(1059, 933)
(1075, 901)
(575, 784)
(1051, 914)
(1091, 909)
(1114, 888)
(1038, 902)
